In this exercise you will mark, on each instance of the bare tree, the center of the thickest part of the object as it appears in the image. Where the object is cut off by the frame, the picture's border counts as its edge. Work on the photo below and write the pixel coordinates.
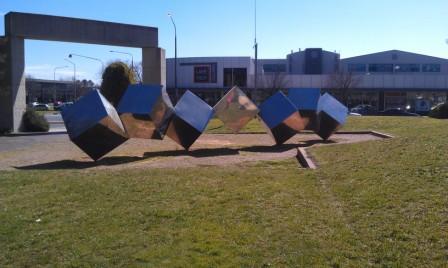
(343, 83)
(276, 80)
(138, 70)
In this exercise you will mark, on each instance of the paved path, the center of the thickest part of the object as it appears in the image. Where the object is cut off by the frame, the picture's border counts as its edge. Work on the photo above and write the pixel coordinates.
(57, 152)
(55, 121)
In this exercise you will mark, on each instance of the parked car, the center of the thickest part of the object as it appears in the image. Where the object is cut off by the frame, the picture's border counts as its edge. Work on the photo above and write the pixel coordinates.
(40, 106)
(396, 112)
(62, 105)
(364, 109)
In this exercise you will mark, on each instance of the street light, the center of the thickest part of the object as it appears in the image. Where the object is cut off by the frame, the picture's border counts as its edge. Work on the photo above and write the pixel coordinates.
(87, 57)
(74, 75)
(56, 68)
(132, 60)
(54, 78)
(175, 56)
(120, 52)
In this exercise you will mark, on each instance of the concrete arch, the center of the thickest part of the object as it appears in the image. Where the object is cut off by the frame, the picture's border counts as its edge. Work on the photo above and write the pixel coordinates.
(21, 26)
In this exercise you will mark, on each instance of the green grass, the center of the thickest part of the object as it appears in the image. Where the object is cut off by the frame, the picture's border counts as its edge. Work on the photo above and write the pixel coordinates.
(378, 203)
(215, 126)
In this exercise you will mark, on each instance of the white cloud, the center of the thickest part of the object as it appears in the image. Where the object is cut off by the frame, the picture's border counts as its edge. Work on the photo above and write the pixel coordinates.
(38, 67)
(46, 71)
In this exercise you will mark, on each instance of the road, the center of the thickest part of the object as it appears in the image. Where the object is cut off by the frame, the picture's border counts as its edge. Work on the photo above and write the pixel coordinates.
(55, 120)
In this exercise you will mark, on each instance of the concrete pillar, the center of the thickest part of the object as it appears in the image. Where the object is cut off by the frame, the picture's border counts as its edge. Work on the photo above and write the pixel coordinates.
(12, 83)
(154, 66)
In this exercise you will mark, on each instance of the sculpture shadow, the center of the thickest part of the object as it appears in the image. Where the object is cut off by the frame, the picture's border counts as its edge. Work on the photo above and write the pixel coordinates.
(198, 153)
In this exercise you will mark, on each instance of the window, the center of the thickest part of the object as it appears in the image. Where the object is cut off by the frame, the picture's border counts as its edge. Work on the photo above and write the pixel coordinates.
(202, 74)
(407, 68)
(381, 68)
(274, 68)
(235, 77)
(357, 68)
(431, 68)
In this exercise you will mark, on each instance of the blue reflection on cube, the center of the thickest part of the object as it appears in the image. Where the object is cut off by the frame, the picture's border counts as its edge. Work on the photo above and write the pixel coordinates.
(94, 125)
(306, 100)
(191, 116)
(281, 117)
(145, 111)
(332, 115)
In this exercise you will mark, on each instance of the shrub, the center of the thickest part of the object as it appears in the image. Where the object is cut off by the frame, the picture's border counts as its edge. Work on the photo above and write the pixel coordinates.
(116, 78)
(440, 111)
(34, 122)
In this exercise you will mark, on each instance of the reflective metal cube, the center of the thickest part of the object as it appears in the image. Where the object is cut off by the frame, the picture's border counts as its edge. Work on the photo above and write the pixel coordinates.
(145, 111)
(281, 117)
(306, 101)
(235, 109)
(332, 115)
(93, 125)
(191, 116)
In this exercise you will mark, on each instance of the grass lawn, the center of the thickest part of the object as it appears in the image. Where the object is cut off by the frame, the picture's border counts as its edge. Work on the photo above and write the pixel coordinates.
(378, 203)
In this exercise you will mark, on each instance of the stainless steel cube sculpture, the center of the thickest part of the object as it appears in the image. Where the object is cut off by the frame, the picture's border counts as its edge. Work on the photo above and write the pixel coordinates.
(281, 117)
(332, 115)
(93, 125)
(306, 101)
(235, 109)
(145, 111)
(191, 116)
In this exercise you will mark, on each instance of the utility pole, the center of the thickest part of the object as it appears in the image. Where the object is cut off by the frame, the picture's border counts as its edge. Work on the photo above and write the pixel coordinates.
(74, 78)
(256, 52)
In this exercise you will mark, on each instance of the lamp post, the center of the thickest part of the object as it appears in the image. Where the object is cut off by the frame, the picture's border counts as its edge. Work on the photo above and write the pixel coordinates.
(175, 56)
(127, 53)
(87, 57)
(256, 50)
(56, 68)
(74, 76)
(54, 79)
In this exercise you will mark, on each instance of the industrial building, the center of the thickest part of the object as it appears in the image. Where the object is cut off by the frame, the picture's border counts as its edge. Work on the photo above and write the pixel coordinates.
(389, 79)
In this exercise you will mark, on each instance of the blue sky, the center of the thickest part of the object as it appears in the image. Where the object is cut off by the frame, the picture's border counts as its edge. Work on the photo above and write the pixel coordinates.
(226, 28)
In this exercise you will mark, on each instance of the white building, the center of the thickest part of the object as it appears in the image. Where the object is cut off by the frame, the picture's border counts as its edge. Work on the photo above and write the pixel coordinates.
(386, 79)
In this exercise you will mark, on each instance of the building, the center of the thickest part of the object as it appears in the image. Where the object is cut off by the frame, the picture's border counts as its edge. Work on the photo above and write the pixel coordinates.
(313, 61)
(50, 91)
(389, 79)
(396, 78)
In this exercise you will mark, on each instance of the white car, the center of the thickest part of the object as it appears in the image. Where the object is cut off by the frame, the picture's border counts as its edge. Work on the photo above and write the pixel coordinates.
(40, 106)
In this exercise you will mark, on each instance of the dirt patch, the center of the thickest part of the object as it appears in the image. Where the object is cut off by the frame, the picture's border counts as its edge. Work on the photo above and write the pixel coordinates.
(57, 152)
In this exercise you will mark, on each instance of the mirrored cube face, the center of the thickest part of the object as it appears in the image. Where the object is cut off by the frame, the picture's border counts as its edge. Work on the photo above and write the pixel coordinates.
(235, 109)
(191, 116)
(94, 125)
(281, 117)
(145, 111)
(182, 133)
(332, 115)
(101, 138)
(306, 101)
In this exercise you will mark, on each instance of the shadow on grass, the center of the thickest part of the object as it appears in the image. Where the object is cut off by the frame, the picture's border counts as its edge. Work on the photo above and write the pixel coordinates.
(198, 153)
